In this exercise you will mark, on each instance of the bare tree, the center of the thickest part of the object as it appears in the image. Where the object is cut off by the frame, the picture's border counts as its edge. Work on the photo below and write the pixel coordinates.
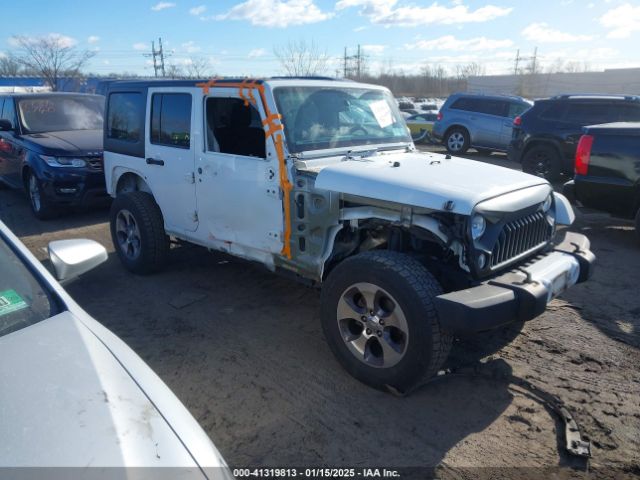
(472, 69)
(300, 59)
(52, 57)
(10, 66)
(198, 67)
(173, 71)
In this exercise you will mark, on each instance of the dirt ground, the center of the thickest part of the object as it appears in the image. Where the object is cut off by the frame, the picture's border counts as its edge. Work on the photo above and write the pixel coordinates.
(243, 349)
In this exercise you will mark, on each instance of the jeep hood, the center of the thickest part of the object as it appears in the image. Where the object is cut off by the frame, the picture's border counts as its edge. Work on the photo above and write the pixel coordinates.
(427, 180)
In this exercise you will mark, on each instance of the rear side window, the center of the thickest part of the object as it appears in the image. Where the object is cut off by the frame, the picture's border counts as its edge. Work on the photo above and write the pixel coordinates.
(126, 117)
(516, 109)
(171, 119)
(629, 113)
(553, 111)
(492, 107)
(465, 103)
(590, 113)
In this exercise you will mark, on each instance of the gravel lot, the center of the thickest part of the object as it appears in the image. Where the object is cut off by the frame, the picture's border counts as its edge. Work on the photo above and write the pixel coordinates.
(243, 349)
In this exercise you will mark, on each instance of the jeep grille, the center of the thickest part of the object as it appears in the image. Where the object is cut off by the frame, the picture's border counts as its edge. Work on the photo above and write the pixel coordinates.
(521, 237)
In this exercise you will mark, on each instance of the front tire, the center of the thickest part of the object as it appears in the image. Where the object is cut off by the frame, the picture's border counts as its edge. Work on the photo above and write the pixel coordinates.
(457, 141)
(137, 232)
(41, 206)
(380, 321)
(542, 161)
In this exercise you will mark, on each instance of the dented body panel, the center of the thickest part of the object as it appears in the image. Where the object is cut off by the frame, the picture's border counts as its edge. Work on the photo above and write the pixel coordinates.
(426, 180)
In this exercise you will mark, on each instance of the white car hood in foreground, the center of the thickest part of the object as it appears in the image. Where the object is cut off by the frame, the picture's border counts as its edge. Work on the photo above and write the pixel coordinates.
(67, 401)
(423, 180)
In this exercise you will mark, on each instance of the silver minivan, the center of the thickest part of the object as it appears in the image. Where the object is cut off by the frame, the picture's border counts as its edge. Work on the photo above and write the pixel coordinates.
(483, 122)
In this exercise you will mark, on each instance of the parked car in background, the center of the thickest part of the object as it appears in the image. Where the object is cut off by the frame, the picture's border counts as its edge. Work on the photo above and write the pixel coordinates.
(483, 122)
(607, 170)
(73, 393)
(410, 111)
(51, 145)
(421, 125)
(545, 137)
(406, 105)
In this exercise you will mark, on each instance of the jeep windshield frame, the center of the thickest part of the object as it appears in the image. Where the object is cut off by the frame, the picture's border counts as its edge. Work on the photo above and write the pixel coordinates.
(317, 118)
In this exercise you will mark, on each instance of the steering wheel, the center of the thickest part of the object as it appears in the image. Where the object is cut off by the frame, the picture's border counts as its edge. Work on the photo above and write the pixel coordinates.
(358, 128)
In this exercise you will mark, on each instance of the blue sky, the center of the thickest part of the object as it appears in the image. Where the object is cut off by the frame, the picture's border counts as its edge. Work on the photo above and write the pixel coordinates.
(238, 37)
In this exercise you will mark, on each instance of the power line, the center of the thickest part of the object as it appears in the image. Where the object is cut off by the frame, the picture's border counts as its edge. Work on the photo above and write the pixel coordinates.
(533, 59)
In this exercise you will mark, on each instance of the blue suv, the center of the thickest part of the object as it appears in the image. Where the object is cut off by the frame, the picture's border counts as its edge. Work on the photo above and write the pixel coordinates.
(483, 122)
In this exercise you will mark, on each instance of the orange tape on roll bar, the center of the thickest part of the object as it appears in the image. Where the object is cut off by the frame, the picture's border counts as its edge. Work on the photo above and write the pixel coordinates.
(273, 120)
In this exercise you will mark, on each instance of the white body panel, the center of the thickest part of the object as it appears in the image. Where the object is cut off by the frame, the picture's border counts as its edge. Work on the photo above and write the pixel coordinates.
(68, 402)
(426, 180)
(239, 202)
(173, 184)
(74, 394)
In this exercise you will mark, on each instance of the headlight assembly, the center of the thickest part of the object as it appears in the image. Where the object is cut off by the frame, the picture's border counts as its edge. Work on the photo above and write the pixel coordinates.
(64, 161)
(478, 226)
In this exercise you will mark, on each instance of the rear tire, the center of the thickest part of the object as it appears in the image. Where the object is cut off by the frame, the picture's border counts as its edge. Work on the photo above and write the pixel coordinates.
(542, 161)
(41, 206)
(401, 344)
(457, 141)
(137, 232)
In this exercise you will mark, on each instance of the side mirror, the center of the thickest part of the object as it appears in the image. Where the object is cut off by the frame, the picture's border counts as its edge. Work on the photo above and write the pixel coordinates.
(5, 125)
(72, 258)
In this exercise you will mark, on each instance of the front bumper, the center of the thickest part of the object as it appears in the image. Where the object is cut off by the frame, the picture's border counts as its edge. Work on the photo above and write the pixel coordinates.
(75, 187)
(520, 294)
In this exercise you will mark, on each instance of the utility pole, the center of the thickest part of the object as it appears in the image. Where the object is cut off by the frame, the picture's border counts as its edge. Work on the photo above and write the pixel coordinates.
(344, 75)
(533, 60)
(532, 65)
(161, 54)
(158, 65)
(358, 60)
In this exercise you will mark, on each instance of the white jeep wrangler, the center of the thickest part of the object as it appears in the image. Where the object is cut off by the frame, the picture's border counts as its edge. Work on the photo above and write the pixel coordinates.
(319, 178)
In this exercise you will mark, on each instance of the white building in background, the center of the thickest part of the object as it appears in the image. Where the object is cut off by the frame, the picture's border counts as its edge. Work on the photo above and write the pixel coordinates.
(24, 89)
(623, 80)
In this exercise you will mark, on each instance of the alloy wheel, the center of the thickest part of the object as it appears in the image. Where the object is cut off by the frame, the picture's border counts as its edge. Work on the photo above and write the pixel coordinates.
(128, 234)
(34, 193)
(372, 325)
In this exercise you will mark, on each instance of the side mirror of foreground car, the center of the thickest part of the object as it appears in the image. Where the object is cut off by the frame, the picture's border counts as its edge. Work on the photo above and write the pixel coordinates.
(72, 258)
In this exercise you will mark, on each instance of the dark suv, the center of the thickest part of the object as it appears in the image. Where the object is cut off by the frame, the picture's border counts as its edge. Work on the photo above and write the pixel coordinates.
(546, 136)
(51, 145)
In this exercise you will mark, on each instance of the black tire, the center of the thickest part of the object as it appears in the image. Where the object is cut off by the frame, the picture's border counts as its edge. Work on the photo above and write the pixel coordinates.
(41, 205)
(542, 161)
(638, 225)
(413, 289)
(138, 210)
(457, 140)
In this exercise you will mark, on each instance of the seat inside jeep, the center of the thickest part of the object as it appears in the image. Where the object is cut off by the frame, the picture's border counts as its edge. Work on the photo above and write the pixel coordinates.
(234, 128)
